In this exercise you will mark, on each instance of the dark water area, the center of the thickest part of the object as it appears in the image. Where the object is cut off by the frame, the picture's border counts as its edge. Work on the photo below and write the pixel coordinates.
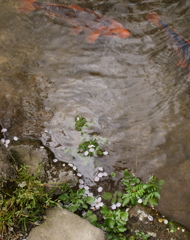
(130, 88)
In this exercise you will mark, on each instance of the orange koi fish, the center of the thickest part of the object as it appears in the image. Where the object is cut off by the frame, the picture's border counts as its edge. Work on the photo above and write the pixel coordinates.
(180, 44)
(95, 24)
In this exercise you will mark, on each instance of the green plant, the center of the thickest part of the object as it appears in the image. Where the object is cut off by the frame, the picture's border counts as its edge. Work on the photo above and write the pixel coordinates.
(74, 201)
(140, 236)
(90, 148)
(27, 202)
(172, 227)
(139, 192)
(80, 122)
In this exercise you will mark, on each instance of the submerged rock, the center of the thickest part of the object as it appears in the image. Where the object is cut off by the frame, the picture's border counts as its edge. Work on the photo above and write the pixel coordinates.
(61, 224)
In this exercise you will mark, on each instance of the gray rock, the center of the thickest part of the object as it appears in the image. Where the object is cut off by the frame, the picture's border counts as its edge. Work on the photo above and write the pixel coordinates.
(60, 224)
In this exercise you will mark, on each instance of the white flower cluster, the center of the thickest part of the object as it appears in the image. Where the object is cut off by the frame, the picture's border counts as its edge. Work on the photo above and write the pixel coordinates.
(7, 141)
(100, 174)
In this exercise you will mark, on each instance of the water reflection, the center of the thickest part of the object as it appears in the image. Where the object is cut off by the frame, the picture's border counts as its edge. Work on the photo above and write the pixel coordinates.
(130, 88)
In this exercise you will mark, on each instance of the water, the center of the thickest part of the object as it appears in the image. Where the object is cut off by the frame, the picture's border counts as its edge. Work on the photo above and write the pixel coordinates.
(130, 88)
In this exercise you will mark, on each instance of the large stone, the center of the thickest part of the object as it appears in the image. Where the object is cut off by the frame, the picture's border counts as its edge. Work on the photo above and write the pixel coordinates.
(61, 224)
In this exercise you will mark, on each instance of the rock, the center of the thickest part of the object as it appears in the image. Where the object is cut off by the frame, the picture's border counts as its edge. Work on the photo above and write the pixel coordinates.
(60, 224)
(31, 156)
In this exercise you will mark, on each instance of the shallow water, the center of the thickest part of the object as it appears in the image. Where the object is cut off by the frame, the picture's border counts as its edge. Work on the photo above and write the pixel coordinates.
(130, 88)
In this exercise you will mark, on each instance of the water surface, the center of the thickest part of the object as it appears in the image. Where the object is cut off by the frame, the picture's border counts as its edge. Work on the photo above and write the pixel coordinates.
(130, 88)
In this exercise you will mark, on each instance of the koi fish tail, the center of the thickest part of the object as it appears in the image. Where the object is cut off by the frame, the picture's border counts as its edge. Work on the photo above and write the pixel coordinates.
(154, 18)
(26, 5)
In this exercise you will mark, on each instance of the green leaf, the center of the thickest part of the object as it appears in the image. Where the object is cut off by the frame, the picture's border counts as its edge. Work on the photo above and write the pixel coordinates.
(90, 200)
(93, 218)
(153, 201)
(122, 229)
(126, 200)
(161, 182)
(124, 215)
(127, 173)
(81, 191)
(106, 195)
(113, 174)
(110, 223)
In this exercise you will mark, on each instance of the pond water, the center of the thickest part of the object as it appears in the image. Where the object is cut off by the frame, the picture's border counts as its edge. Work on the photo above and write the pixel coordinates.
(131, 89)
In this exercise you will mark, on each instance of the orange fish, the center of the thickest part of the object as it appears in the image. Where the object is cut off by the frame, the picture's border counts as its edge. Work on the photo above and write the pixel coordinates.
(94, 24)
(180, 44)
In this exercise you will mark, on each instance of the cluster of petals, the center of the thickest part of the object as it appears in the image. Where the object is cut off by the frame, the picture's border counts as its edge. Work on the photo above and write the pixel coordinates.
(97, 204)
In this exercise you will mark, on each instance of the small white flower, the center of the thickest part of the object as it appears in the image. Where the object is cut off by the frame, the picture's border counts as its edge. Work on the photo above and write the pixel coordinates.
(104, 174)
(3, 130)
(74, 168)
(91, 146)
(118, 204)
(7, 141)
(100, 189)
(79, 174)
(97, 203)
(96, 179)
(78, 118)
(127, 209)
(81, 181)
(105, 153)
(183, 230)
(91, 150)
(15, 138)
(55, 160)
(86, 153)
(165, 221)
(113, 206)
(3, 140)
(22, 184)
(150, 218)
(70, 164)
(100, 169)
(63, 164)
(90, 194)
(86, 192)
(140, 200)
(100, 175)
(86, 187)
(42, 147)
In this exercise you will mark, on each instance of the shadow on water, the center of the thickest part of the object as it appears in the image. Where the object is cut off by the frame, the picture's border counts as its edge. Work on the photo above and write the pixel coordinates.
(130, 88)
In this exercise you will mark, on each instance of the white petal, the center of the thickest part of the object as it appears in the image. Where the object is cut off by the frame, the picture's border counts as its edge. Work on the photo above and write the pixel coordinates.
(165, 221)
(105, 174)
(118, 204)
(74, 168)
(86, 153)
(100, 175)
(113, 206)
(81, 181)
(70, 164)
(91, 150)
(150, 218)
(100, 189)
(3, 130)
(105, 153)
(55, 160)
(15, 138)
(96, 179)
(79, 174)
(100, 169)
